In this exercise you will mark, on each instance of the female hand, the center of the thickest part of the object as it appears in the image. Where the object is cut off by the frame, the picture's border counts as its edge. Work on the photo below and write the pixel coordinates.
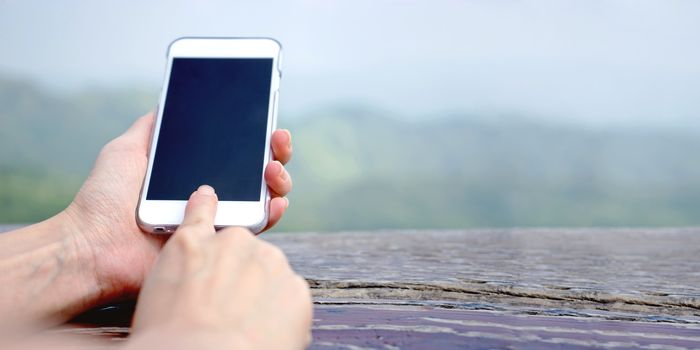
(212, 290)
(102, 215)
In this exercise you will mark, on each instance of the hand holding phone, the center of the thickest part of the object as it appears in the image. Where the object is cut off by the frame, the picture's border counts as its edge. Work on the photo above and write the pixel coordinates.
(243, 296)
(214, 127)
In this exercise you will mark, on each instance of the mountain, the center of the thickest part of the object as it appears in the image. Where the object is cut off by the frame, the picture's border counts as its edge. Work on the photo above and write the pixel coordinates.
(356, 169)
(360, 168)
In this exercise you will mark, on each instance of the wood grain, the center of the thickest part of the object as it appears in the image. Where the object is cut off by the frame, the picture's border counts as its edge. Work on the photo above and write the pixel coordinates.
(646, 271)
(483, 289)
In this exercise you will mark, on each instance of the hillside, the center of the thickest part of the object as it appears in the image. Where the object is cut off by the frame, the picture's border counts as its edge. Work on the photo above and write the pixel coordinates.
(359, 168)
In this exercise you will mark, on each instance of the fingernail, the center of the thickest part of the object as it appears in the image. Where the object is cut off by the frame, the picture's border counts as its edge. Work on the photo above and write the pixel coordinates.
(282, 174)
(206, 190)
(286, 200)
(279, 169)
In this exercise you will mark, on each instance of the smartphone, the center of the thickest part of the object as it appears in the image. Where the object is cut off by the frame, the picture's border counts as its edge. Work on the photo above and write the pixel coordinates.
(217, 111)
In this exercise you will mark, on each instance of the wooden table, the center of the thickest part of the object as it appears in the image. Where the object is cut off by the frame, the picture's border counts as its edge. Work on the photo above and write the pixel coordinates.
(483, 289)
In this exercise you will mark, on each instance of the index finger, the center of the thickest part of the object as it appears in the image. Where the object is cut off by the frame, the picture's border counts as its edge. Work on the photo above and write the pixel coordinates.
(201, 209)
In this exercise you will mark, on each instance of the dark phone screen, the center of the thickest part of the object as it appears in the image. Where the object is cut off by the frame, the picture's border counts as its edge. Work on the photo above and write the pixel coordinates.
(213, 129)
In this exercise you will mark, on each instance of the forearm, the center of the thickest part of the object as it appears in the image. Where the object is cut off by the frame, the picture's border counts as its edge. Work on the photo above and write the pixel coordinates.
(46, 276)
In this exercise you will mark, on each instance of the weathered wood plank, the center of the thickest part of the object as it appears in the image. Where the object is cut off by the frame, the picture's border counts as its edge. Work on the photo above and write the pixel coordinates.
(521, 289)
(617, 270)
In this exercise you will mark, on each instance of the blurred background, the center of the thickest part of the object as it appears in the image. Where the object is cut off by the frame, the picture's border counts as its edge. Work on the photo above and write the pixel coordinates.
(405, 114)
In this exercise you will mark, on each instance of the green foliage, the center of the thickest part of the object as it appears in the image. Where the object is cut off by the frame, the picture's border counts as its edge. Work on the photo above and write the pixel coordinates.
(364, 169)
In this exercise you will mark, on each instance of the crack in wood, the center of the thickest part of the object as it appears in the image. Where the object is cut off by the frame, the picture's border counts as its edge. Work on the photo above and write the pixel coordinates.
(565, 298)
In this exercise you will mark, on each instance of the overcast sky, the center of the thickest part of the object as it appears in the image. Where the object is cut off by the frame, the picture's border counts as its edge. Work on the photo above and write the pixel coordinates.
(596, 62)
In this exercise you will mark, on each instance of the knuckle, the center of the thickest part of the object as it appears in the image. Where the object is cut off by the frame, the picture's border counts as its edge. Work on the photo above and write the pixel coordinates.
(119, 144)
(186, 241)
(194, 221)
(109, 147)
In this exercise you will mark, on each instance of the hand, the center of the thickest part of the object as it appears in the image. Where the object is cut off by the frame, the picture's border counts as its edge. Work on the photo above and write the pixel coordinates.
(103, 212)
(226, 290)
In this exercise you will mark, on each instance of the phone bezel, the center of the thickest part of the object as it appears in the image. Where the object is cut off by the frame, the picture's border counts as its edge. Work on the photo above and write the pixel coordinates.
(163, 216)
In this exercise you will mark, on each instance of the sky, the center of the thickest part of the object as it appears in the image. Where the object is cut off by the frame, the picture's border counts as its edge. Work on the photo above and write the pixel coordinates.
(604, 63)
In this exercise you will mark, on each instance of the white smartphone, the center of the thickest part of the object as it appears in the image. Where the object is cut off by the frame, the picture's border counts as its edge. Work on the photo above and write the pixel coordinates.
(217, 111)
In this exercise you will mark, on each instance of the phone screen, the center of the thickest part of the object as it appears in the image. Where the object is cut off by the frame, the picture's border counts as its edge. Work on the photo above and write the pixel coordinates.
(213, 129)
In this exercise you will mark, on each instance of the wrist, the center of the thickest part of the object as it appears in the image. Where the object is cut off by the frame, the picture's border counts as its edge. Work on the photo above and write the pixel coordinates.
(116, 251)
(83, 260)
(85, 234)
(74, 229)
(50, 273)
